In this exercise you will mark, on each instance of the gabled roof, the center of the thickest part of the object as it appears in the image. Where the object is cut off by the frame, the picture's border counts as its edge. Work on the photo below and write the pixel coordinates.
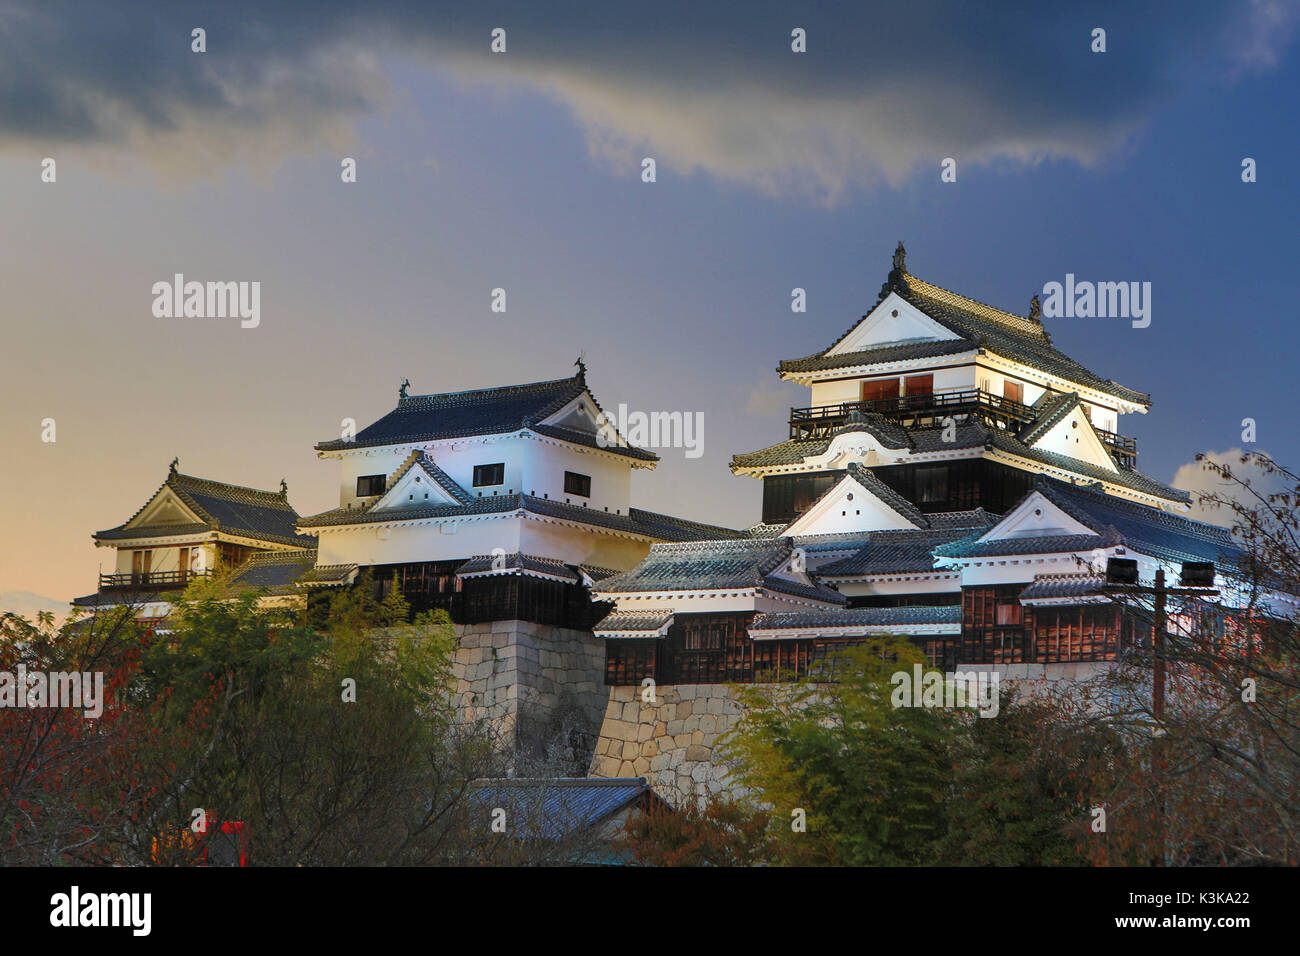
(518, 563)
(738, 564)
(887, 495)
(1014, 337)
(275, 572)
(889, 433)
(484, 411)
(1051, 407)
(1116, 522)
(233, 509)
(419, 459)
(648, 524)
(1147, 530)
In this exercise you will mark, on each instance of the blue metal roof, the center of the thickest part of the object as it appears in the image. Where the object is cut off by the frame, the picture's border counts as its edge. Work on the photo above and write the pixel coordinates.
(553, 808)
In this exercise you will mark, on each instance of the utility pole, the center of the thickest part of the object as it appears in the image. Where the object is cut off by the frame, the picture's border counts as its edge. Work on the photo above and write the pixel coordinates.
(1158, 670)
(1122, 579)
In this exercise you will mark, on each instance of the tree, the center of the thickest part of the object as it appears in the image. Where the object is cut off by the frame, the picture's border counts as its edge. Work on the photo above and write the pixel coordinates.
(718, 833)
(869, 780)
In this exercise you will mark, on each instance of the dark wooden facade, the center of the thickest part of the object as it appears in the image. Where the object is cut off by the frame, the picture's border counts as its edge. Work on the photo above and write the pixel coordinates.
(996, 629)
(497, 597)
(709, 649)
(942, 486)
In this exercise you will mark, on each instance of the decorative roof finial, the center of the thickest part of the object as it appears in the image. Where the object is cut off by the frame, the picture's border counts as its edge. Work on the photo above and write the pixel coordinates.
(582, 370)
(284, 488)
(171, 469)
(401, 391)
(897, 281)
(1035, 309)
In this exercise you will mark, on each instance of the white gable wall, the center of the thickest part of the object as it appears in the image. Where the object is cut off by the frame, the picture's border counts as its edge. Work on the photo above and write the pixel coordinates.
(892, 320)
(847, 507)
(1074, 436)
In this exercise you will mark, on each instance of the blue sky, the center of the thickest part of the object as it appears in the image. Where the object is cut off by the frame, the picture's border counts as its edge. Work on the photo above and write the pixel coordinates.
(522, 171)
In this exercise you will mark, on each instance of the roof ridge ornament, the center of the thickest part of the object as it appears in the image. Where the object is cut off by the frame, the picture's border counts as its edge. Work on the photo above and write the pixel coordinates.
(401, 389)
(1035, 310)
(171, 469)
(284, 488)
(897, 281)
(581, 377)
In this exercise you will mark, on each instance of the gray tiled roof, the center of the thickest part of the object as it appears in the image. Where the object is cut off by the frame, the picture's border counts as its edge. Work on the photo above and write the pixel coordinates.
(897, 552)
(1037, 544)
(648, 622)
(327, 574)
(579, 437)
(233, 509)
(1124, 477)
(1011, 336)
(901, 352)
(1147, 530)
(1046, 586)
(974, 518)
(646, 523)
(490, 563)
(859, 617)
(275, 572)
(1143, 529)
(484, 411)
(716, 565)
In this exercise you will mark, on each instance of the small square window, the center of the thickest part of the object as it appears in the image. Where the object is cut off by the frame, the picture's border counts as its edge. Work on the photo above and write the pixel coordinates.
(489, 474)
(576, 484)
(370, 485)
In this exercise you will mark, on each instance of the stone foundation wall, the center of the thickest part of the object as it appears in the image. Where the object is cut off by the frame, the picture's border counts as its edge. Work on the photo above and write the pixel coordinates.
(671, 743)
(541, 687)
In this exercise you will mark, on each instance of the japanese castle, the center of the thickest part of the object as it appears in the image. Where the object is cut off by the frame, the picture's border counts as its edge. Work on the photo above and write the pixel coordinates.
(954, 478)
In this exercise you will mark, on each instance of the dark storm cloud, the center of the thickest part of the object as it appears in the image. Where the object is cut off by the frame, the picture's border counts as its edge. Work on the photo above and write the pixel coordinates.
(882, 87)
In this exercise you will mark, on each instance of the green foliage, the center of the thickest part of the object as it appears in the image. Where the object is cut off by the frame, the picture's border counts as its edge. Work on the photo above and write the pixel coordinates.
(872, 779)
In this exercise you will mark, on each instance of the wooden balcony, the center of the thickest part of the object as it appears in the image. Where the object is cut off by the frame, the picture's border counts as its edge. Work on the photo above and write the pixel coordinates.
(1124, 449)
(913, 410)
(149, 580)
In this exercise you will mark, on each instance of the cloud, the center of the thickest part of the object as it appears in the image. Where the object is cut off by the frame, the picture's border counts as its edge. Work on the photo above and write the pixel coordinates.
(1196, 478)
(884, 90)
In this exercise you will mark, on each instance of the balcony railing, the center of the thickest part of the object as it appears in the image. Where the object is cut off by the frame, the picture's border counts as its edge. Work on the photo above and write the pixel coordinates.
(912, 410)
(1124, 449)
(149, 579)
(932, 408)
